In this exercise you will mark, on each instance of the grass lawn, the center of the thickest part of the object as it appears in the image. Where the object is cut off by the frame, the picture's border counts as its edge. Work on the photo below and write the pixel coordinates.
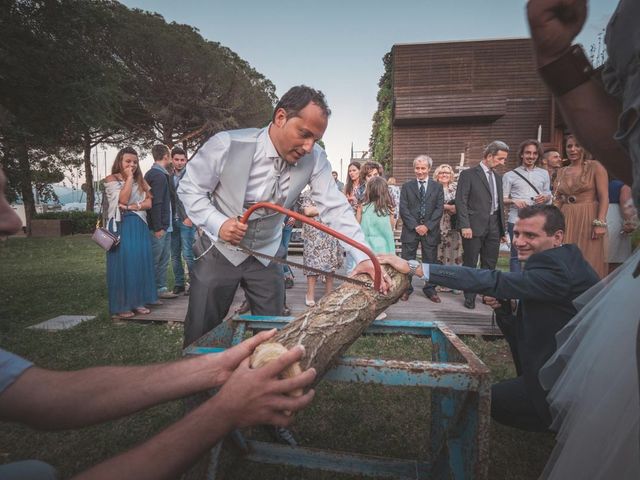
(43, 278)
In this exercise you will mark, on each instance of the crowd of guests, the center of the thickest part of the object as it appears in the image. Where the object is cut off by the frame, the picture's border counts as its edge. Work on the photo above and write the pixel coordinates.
(444, 212)
(432, 212)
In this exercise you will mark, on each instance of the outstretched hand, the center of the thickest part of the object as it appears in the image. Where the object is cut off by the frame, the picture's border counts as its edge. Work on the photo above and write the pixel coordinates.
(366, 266)
(259, 397)
(554, 24)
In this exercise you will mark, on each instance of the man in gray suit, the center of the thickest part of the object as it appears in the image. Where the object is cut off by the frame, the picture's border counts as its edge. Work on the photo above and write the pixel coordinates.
(421, 207)
(479, 206)
(238, 168)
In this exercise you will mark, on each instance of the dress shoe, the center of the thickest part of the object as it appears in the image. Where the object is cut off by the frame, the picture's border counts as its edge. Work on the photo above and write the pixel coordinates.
(178, 289)
(285, 436)
(243, 308)
(167, 294)
(432, 295)
(470, 303)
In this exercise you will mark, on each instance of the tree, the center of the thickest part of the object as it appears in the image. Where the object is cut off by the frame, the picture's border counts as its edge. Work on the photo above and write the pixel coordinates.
(380, 140)
(186, 87)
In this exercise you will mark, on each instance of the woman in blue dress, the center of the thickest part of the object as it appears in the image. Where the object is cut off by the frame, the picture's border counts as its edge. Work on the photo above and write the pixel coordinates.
(130, 277)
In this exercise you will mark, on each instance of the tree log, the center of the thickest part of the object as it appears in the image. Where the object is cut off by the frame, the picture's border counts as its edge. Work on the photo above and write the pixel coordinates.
(329, 328)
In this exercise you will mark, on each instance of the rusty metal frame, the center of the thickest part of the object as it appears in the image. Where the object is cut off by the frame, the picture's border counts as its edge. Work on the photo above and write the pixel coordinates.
(460, 403)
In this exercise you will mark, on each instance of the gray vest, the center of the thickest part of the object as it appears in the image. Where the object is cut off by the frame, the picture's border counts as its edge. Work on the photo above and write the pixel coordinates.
(265, 227)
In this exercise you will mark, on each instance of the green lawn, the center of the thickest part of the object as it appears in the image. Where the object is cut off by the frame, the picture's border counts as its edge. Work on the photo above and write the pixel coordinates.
(42, 278)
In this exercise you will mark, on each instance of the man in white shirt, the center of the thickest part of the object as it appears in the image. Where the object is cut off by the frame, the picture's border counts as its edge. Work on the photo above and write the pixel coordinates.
(238, 168)
(525, 185)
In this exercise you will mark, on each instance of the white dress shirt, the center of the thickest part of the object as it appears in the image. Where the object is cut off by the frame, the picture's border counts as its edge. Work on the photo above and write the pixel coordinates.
(203, 174)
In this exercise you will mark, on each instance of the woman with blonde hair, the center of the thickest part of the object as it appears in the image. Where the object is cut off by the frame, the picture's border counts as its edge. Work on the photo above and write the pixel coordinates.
(130, 277)
(582, 193)
(450, 246)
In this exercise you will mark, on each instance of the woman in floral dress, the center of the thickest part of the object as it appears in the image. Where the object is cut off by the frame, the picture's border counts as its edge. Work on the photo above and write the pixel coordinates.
(320, 250)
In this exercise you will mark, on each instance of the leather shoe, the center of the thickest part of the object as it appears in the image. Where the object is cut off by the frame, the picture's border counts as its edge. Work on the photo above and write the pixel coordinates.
(178, 289)
(470, 303)
(243, 308)
(285, 436)
(433, 296)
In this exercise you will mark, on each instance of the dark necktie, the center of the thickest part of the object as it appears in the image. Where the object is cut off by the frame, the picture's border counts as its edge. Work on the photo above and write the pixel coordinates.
(492, 188)
(423, 206)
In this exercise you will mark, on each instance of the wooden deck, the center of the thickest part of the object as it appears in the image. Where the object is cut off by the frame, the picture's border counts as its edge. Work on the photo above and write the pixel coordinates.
(451, 311)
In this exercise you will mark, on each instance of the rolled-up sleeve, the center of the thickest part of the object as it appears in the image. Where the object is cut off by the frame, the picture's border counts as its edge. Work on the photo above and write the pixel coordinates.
(11, 367)
(201, 178)
(333, 207)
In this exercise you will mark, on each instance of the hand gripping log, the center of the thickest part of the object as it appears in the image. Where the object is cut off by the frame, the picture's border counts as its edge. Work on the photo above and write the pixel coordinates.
(327, 330)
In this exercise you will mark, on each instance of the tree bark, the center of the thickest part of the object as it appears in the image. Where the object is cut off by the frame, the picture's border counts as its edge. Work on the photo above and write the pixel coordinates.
(88, 172)
(26, 183)
(339, 319)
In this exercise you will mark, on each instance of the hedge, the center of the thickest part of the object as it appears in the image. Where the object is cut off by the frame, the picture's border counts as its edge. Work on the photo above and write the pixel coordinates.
(81, 222)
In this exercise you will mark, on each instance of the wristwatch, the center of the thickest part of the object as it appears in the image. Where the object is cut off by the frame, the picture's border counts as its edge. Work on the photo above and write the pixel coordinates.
(413, 266)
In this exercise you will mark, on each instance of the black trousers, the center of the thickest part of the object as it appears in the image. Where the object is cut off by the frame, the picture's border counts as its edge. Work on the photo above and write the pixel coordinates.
(487, 247)
(409, 250)
(214, 282)
(511, 405)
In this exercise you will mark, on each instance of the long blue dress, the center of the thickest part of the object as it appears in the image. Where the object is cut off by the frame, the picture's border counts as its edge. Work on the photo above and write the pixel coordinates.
(130, 274)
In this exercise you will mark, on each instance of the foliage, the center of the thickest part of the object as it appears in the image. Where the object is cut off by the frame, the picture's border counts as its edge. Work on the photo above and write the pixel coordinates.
(76, 73)
(185, 87)
(81, 222)
(380, 141)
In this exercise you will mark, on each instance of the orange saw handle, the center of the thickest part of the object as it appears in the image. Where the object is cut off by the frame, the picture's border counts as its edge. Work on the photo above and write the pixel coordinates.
(298, 216)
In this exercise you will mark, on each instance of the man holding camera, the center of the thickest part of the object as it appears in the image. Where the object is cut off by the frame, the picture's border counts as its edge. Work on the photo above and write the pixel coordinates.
(535, 304)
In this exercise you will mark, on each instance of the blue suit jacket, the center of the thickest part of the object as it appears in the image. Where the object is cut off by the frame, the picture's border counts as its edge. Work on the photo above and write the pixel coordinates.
(546, 288)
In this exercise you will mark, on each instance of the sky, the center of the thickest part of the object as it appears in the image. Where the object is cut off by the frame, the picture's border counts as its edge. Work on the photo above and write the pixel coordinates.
(337, 46)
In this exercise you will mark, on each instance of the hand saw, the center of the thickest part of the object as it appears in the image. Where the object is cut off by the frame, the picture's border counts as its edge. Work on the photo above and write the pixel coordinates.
(284, 261)
(272, 206)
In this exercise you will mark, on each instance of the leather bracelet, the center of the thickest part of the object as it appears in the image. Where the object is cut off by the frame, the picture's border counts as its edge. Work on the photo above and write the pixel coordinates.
(567, 72)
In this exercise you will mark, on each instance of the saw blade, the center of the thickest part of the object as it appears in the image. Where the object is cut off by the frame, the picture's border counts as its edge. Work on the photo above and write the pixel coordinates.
(283, 261)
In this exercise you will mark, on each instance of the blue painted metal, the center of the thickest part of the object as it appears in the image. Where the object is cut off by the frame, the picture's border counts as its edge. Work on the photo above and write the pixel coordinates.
(460, 402)
(370, 465)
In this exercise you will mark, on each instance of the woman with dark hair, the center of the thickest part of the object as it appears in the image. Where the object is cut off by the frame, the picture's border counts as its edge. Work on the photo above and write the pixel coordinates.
(375, 216)
(368, 171)
(130, 277)
(353, 181)
(582, 194)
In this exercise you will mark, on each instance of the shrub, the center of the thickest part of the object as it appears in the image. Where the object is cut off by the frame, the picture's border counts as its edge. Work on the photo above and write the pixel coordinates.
(81, 222)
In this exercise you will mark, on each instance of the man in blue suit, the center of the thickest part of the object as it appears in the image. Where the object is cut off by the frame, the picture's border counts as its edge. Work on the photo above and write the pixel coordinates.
(534, 305)
(421, 207)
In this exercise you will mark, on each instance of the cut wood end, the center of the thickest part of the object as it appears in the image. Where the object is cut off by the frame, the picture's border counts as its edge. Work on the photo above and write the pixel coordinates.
(268, 352)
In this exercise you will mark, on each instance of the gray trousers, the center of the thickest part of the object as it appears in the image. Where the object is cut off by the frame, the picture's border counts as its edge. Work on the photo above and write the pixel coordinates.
(214, 282)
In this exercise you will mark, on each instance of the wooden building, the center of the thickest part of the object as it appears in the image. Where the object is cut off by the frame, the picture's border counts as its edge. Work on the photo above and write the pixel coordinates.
(452, 99)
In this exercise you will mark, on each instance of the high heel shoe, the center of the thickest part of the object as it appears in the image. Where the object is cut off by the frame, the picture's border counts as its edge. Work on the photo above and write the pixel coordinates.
(309, 303)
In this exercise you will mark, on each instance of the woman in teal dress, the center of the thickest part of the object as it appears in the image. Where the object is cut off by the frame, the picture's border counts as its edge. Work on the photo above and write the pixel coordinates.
(376, 216)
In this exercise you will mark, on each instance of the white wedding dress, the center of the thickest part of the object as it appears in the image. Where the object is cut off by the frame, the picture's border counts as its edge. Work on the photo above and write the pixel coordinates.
(593, 378)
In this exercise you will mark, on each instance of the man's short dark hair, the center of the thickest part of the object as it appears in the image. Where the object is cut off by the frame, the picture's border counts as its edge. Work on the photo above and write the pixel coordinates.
(299, 97)
(159, 151)
(528, 142)
(554, 219)
(178, 151)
